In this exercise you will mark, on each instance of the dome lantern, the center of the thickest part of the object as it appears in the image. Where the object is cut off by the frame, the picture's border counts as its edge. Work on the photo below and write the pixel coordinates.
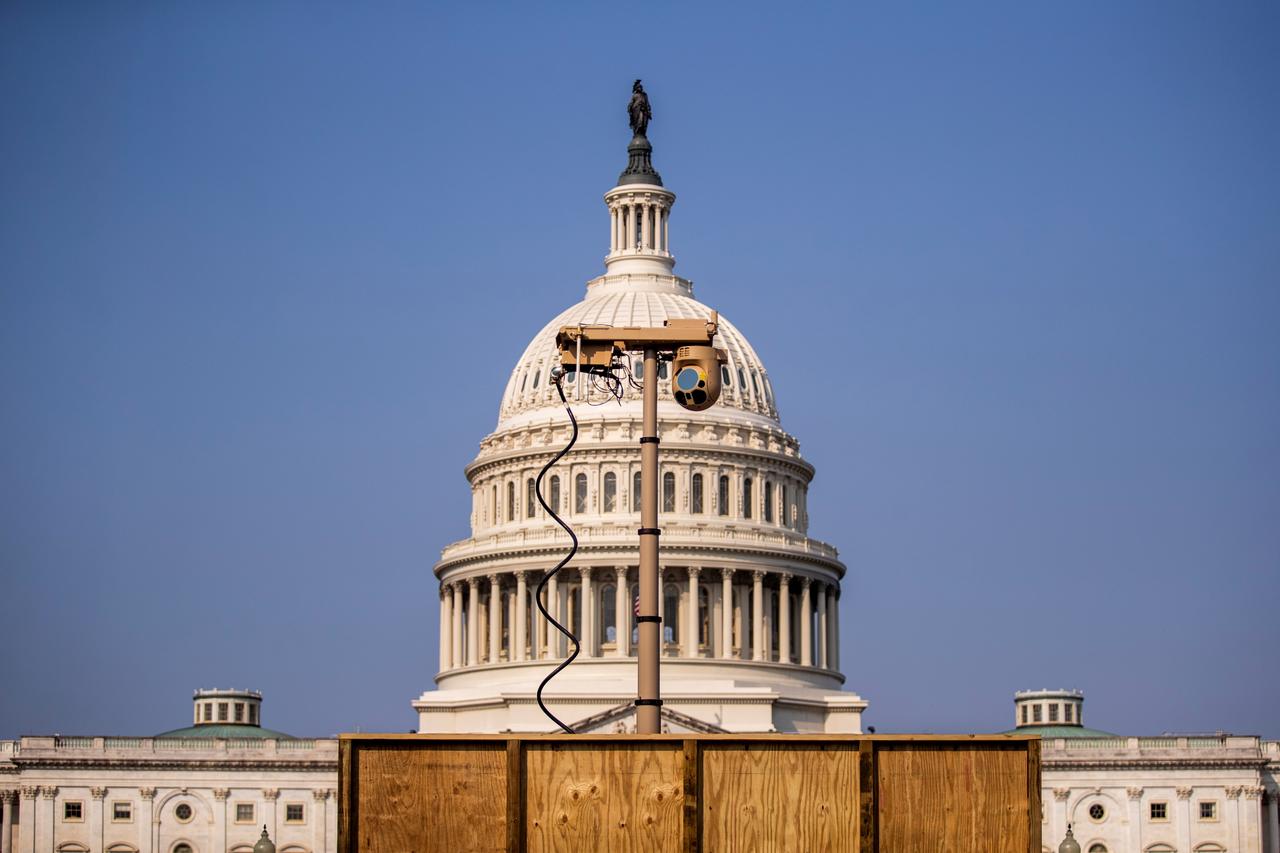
(639, 206)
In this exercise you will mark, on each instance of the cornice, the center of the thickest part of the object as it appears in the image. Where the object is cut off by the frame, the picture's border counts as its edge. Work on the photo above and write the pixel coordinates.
(1133, 763)
(671, 451)
(219, 763)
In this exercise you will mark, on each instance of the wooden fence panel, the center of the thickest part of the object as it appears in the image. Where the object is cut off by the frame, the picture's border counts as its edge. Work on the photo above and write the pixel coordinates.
(447, 797)
(780, 796)
(624, 796)
(963, 798)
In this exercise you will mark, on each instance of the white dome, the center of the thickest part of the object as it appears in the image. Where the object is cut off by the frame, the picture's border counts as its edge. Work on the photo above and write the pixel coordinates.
(746, 382)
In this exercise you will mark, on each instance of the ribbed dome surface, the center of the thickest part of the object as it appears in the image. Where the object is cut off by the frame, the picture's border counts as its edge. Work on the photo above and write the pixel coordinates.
(746, 385)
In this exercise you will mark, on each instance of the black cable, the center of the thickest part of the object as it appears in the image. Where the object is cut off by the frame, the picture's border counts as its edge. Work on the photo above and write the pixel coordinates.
(537, 596)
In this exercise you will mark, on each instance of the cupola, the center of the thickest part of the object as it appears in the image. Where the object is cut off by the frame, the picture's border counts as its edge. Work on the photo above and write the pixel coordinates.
(216, 706)
(1048, 708)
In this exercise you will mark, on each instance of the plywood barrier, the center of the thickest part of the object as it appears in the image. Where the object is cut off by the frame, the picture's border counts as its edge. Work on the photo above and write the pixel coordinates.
(864, 794)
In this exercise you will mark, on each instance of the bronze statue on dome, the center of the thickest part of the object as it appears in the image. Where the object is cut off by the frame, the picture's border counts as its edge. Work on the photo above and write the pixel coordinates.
(639, 110)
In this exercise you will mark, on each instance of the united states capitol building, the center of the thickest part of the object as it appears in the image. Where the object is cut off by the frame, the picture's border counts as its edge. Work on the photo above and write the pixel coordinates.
(748, 607)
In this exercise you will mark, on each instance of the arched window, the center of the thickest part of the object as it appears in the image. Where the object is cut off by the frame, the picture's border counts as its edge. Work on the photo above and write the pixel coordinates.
(725, 376)
(794, 605)
(72, 847)
(511, 501)
(742, 381)
(635, 492)
(537, 371)
(722, 496)
(1160, 848)
(755, 386)
(746, 498)
(530, 499)
(670, 614)
(122, 848)
(555, 494)
(523, 380)
(662, 371)
(182, 848)
(1097, 848)
(695, 497)
(611, 492)
(574, 603)
(784, 515)
(580, 493)
(668, 492)
(768, 501)
(608, 614)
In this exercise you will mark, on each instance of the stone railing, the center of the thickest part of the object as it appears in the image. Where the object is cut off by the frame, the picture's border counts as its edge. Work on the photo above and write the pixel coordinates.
(1155, 744)
(89, 746)
(672, 535)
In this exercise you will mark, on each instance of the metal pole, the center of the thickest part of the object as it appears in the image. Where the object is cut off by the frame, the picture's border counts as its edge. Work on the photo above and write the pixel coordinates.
(649, 704)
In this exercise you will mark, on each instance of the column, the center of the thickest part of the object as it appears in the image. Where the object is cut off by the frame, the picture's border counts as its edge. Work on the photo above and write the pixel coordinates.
(473, 622)
(44, 818)
(833, 629)
(784, 617)
(446, 628)
(1251, 828)
(7, 797)
(726, 613)
(645, 219)
(1059, 818)
(319, 820)
(458, 659)
(806, 623)
(1232, 817)
(1184, 818)
(27, 818)
(522, 608)
(146, 821)
(553, 607)
(270, 795)
(757, 615)
(622, 609)
(657, 227)
(821, 651)
(589, 620)
(613, 229)
(692, 623)
(1135, 818)
(666, 234)
(95, 817)
(495, 619)
(1273, 821)
(220, 818)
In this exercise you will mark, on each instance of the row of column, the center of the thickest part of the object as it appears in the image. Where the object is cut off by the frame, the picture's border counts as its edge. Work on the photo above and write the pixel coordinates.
(639, 226)
(473, 614)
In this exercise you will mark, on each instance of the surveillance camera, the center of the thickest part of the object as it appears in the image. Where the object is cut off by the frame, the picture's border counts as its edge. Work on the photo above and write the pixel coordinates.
(695, 379)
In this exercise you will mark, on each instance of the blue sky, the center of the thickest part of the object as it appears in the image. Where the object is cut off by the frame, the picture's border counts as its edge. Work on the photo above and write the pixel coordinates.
(1014, 270)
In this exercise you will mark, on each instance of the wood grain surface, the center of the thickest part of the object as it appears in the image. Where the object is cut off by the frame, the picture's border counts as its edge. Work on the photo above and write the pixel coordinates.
(966, 798)
(780, 796)
(422, 798)
(604, 797)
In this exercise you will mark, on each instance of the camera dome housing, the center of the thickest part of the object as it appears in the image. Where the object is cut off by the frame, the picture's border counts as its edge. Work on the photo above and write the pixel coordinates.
(695, 377)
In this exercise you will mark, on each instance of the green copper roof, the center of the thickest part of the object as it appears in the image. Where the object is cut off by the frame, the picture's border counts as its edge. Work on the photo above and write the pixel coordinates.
(1058, 731)
(227, 730)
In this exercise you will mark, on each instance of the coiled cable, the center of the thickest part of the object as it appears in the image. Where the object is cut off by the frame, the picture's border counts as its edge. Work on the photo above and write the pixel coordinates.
(557, 377)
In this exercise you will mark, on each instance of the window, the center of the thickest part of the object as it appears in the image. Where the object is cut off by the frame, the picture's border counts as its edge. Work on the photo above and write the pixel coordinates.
(746, 498)
(554, 503)
(253, 715)
(1037, 715)
(635, 492)
(511, 501)
(1053, 712)
(670, 613)
(611, 492)
(1097, 813)
(755, 386)
(183, 812)
(784, 512)
(222, 712)
(662, 370)
(121, 812)
(182, 848)
(722, 496)
(1066, 712)
(530, 499)
(1024, 715)
(239, 712)
(696, 495)
(724, 376)
(608, 614)
(1208, 810)
(244, 813)
(1159, 811)
(668, 492)
(293, 813)
(493, 504)
(768, 501)
(73, 810)
(523, 380)
(580, 493)
(742, 381)
(537, 371)
(208, 712)
(1097, 848)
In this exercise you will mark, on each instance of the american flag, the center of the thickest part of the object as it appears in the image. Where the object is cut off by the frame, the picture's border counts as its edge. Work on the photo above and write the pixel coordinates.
(637, 605)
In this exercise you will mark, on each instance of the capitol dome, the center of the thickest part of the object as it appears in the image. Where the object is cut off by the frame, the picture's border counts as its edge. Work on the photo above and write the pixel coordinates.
(750, 626)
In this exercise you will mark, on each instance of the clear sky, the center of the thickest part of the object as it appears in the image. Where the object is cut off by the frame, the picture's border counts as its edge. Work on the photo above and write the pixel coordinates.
(1014, 270)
